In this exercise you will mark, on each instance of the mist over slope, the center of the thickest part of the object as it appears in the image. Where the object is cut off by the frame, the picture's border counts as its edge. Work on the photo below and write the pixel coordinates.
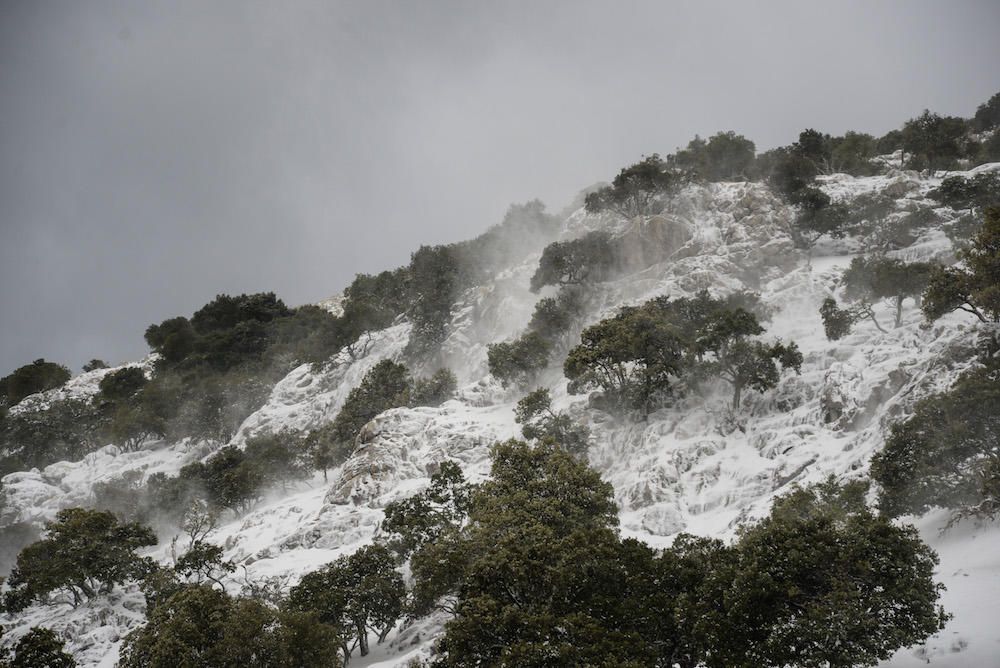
(697, 466)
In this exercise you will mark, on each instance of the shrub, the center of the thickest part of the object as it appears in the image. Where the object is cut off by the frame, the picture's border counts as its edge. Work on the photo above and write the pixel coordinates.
(933, 141)
(435, 282)
(553, 316)
(386, 385)
(726, 156)
(84, 553)
(987, 114)
(67, 430)
(122, 385)
(29, 379)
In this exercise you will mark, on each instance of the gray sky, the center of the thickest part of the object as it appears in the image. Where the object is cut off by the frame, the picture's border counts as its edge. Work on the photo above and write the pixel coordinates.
(154, 154)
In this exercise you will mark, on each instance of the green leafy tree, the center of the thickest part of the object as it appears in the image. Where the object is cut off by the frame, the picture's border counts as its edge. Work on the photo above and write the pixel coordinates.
(435, 283)
(818, 216)
(933, 141)
(29, 379)
(987, 114)
(94, 365)
(200, 626)
(435, 390)
(837, 322)
(85, 553)
(518, 362)
(553, 316)
(41, 648)
(820, 582)
(67, 430)
(586, 259)
(539, 422)
(939, 456)
(362, 592)
(974, 288)
(421, 519)
(173, 339)
(873, 278)
(975, 193)
(725, 156)
(637, 188)
(122, 385)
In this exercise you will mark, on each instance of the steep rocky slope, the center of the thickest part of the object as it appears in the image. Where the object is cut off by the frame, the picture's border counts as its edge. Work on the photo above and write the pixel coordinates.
(696, 467)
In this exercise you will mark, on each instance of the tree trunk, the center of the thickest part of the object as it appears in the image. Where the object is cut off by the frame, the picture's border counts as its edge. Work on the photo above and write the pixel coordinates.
(363, 640)
(899, 310)
(737, 390)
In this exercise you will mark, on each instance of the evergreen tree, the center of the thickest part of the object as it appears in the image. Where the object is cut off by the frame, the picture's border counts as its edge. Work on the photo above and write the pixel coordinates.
(41, 648)
(29, 379)
(974, 288)
(586, 259)
(637, 188)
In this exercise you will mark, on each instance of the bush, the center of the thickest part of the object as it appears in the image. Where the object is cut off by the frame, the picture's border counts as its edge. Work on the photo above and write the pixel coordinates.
(987, 114)
(29, 379)
(932, 141)
(637, 188)
(975, 193)
(386, 385)
(122, 385)
(435, 282)
(553, 316)
(67, 430)
(84, 553)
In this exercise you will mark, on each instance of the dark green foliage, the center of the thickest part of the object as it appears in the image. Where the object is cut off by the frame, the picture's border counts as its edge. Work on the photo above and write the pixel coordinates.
(541, 521)
(40, 648)
(386, 385)
(540, 422)
(872, 278)
(280, 457)
(786, 170)
(435, 390)
(359, 593)
(586, 259)
(817, 216)
(226, 312)
(553, 316)
(202, 626)
(726, 156)
(637, 188)
(974, 288)
(635, 356)
(987, 114)
(423, 518)
(821, 582)
(837, 322)
(938, 456)
(84, 553)
(94, 365)
(174, 339)
(517, 362)
(639, 356)
(66, 430)
(931, 141)
(29, 379)
(975, 193)
(435, 282)
(122, 385)
(232, 478)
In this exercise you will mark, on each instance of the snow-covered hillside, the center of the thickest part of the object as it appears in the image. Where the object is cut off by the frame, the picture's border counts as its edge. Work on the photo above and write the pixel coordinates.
(696, 467)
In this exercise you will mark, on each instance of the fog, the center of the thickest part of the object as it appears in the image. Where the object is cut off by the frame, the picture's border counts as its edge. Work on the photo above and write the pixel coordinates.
(155, 154)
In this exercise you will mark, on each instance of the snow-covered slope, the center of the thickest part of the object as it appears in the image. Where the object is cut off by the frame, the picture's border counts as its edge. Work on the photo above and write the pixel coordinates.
(694, 467)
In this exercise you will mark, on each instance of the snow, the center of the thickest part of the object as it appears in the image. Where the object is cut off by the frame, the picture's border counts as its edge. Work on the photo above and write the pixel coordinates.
(695, 467)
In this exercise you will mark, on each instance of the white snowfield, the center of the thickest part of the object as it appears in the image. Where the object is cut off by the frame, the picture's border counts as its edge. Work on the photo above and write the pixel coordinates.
(696, 467)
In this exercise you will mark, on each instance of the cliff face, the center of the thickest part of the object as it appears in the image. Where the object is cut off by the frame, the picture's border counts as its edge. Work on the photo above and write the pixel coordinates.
(698, 466)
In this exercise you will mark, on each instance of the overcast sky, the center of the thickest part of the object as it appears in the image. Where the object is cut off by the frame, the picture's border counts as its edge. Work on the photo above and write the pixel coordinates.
(153, 155)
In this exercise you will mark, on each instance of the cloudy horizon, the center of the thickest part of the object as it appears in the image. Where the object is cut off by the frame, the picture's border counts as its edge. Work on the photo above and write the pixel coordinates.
(154, 155)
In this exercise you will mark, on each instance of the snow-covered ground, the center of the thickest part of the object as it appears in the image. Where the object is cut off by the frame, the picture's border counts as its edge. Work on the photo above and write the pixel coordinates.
(696, 467)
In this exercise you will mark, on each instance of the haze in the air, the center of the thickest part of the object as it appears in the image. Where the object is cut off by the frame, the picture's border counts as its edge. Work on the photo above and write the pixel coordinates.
(153, 155)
